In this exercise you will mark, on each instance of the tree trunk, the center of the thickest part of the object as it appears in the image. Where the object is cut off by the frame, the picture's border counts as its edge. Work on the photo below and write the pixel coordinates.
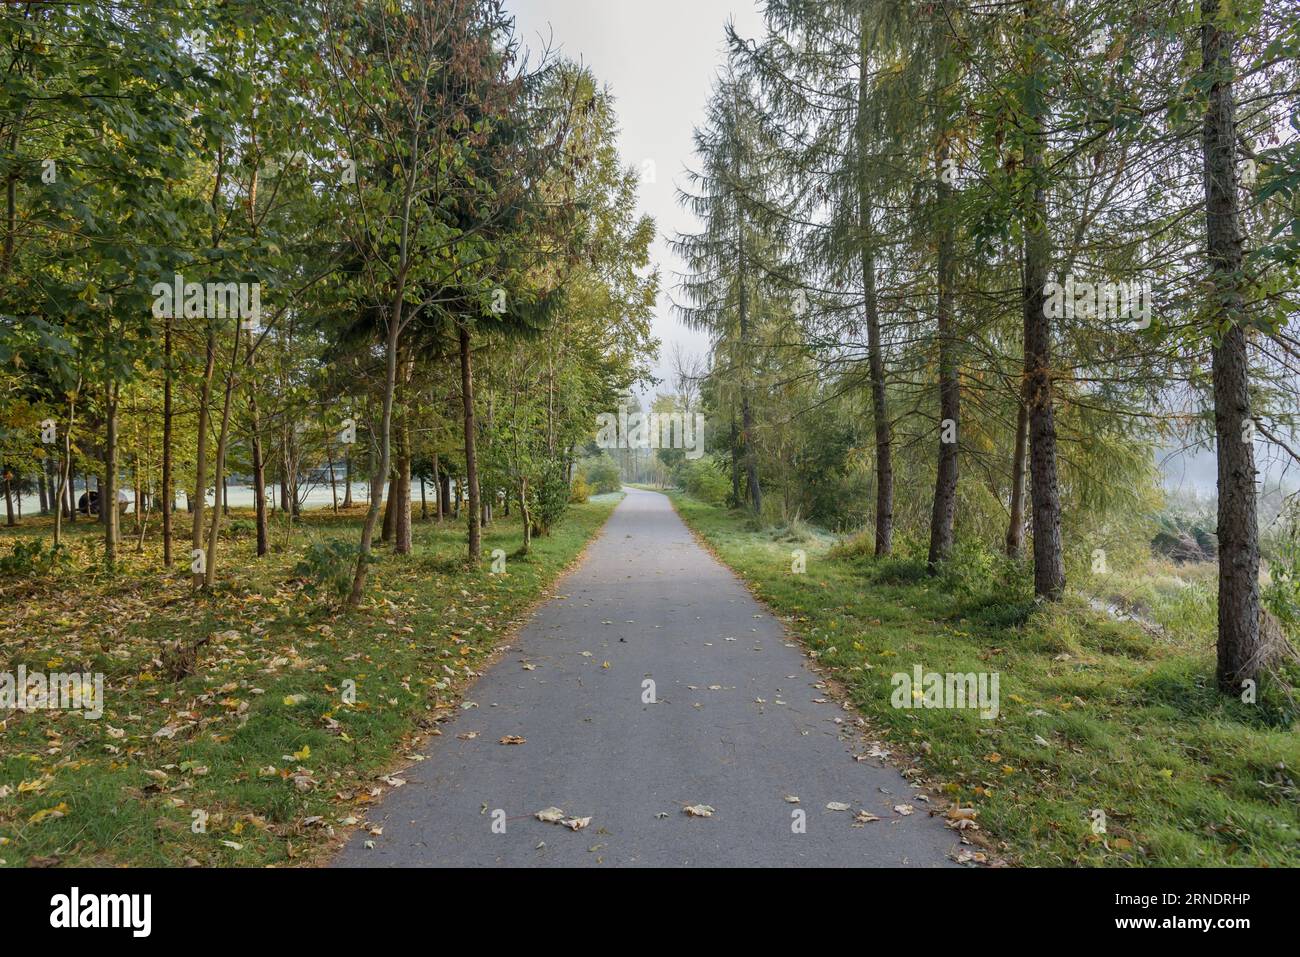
(524, 515)
(108, 495)
(66, 475)
(199, 499)
(945, 484)
(259, 468)
(1016, 522)
(753, 490)
(437, 489)
(219, 478)
(347, 479)
(875, 357)
(334, 488)
(168, 481)
(378, 477)
(735, 463)
(390, 511)
(402, 520)
(1240, 655)
(471, 457)
(1049, 568)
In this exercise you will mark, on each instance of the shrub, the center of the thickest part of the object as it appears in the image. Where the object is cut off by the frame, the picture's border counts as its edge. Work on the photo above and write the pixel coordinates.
(32, 558)
(328, 566)
(550, 498)
(579, 491)
(704, 479)
(602, 474)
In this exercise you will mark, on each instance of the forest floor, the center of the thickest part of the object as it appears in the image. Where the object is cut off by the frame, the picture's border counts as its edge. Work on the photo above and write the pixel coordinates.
(262, 755)
(1110, 746)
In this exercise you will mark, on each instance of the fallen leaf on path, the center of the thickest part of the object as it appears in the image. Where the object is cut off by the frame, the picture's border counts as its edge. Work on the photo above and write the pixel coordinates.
(698, 810)
(512, 739)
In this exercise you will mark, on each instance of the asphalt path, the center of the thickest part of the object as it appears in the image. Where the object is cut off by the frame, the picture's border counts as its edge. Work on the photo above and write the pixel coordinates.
(738, 724)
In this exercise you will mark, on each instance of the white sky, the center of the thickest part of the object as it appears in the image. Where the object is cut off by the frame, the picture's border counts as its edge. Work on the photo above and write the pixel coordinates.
(659, 59)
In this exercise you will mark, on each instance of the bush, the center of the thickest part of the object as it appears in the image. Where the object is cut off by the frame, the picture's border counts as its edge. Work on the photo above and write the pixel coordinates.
(602, 474)
(704, 479)
(329, 566)
(550, 498)
(32, 558)
(579, 491)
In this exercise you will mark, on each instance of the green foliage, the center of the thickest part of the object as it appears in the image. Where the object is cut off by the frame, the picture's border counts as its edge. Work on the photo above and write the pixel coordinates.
(328, 566)
(1281, 595)
(704, 479)
(602, 474)
(32, 557)
(550, 498)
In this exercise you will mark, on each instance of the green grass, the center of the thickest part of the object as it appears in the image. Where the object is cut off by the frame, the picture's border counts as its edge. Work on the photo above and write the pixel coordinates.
(264, 745)
(1094, 713)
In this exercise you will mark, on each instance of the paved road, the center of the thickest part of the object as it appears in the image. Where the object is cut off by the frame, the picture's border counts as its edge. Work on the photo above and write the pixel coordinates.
(653, 604)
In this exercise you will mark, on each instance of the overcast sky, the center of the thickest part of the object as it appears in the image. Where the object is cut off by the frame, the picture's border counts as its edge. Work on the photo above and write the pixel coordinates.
(659, 59)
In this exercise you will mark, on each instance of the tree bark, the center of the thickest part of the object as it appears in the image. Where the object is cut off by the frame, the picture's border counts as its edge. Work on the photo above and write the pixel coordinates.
(945, 485)
(199, 499)
(259, 471)
(1240, 654)
(168, 480)
(390, 511)
(219, 477)
(402, 519)
(347, 479)
(438, 500)
(471, 457)
(1049, 567)
(108, 496)
(524, 515)
(379, 476)
(1016, 521)
(871, 314)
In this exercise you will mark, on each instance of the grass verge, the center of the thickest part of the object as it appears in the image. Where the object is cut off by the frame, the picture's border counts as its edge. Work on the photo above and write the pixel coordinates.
(1095, 715)
(255, 758)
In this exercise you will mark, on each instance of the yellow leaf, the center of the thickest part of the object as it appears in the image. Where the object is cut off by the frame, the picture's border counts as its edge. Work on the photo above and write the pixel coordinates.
(49, 813)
